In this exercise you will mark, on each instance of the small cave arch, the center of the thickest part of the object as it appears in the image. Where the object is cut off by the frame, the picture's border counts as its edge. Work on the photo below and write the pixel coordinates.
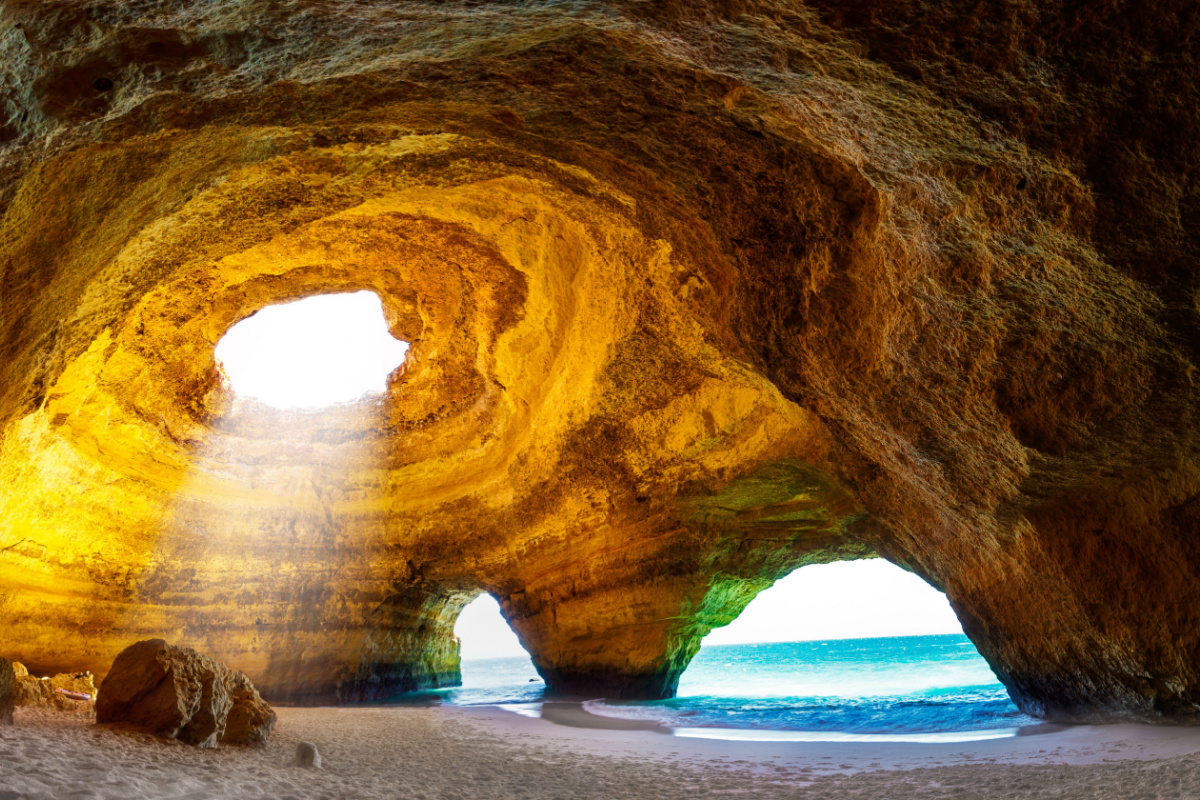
(492, 656)
(414, 644)
(484, 633)
(846, 598)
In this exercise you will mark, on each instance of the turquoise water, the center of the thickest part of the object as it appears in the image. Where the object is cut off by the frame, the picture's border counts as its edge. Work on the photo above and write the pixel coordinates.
(900, 685)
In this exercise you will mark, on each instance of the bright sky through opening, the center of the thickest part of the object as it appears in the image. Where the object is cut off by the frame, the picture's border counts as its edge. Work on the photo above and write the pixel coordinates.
(484, 633)
(844, 600)
(314, 352)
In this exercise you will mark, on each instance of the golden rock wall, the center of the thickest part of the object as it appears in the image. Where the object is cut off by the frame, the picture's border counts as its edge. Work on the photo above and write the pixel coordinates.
(697, 293)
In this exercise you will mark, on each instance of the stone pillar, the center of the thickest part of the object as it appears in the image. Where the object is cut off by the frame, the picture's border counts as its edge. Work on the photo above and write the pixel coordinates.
(624, 620)
(410, 645)
(624, 639)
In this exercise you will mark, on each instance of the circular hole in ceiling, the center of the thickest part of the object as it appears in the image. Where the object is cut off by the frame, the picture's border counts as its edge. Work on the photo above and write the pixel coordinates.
(310, 353)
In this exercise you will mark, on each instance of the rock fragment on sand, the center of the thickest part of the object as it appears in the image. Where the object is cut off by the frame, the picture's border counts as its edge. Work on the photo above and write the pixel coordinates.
(8, 691)
(177, 693)
(308, 756)
(63, 692)
(74, 683)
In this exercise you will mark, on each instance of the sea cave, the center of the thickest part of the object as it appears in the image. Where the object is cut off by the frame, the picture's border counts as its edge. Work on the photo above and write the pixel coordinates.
(683, 298)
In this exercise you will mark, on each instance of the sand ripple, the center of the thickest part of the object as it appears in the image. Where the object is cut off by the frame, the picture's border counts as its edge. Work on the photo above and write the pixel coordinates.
(443, 754)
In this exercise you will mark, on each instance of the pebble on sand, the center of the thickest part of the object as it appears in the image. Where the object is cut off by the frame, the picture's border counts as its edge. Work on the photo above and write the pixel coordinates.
(307, 755)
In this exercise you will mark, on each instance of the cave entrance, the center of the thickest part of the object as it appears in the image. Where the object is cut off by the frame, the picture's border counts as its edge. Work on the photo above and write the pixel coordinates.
(495, 667)
(315, 352)
(840, 651)
(853, 647)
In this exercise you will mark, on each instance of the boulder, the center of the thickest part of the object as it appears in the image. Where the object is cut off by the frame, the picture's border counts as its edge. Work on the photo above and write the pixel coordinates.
(8, 691)
(31, 691)
(177, 693)
(251, 720)
(34, 691)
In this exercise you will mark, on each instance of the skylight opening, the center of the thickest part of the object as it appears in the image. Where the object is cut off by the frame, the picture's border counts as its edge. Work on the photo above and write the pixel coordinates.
(311, 353)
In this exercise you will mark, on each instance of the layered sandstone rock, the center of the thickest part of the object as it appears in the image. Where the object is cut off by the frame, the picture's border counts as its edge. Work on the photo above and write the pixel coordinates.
(8, 691)
(698, 293)
(177, 693)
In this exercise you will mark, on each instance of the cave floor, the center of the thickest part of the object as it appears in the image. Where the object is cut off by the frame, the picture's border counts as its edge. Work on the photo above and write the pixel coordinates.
(441, 752)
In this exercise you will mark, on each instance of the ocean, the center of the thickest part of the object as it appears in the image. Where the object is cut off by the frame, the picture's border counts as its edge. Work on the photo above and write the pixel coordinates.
(909, 688)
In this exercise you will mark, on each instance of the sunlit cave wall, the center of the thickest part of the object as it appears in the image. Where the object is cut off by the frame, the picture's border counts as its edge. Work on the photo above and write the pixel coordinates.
(697, 294)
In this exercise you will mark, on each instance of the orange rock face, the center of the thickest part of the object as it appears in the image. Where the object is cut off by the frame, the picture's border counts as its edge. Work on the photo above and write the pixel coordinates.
(698, 293)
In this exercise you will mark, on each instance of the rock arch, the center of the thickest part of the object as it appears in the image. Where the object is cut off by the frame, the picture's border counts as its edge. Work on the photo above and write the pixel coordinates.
(695, 297)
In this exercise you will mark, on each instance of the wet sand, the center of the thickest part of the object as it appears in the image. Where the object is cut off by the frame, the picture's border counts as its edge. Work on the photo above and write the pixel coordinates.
(430, 753)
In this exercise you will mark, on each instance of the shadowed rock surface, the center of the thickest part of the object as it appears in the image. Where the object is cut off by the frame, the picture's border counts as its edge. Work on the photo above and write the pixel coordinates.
(177, 693)
(8, 691)
(251, 719)
(698, 293)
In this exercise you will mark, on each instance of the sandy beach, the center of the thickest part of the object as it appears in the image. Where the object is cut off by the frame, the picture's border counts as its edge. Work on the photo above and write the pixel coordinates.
(450, 753)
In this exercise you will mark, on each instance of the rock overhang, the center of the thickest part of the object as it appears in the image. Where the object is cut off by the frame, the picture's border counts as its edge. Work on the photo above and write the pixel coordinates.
(520, 282)
(643, 277)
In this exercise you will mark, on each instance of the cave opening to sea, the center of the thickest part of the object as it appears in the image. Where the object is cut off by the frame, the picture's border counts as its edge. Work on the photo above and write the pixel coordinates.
(852, 650)
(843, 651)
(495, 667)
(314, 352)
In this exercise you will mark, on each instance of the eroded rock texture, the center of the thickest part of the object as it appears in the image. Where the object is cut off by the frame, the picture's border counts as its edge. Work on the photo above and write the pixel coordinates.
(697, 293)
(177, 693)
(74, 692)
(8, 691)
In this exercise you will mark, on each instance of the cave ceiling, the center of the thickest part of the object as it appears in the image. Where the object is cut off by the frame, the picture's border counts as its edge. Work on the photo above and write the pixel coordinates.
(697, 294)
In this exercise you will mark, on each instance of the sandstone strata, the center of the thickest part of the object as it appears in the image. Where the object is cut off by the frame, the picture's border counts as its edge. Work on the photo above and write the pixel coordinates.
(177, 693)
(698, 293)
(8, 691)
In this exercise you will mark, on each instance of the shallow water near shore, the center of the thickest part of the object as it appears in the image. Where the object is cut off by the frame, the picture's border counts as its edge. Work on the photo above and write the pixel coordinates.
(911, 688)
